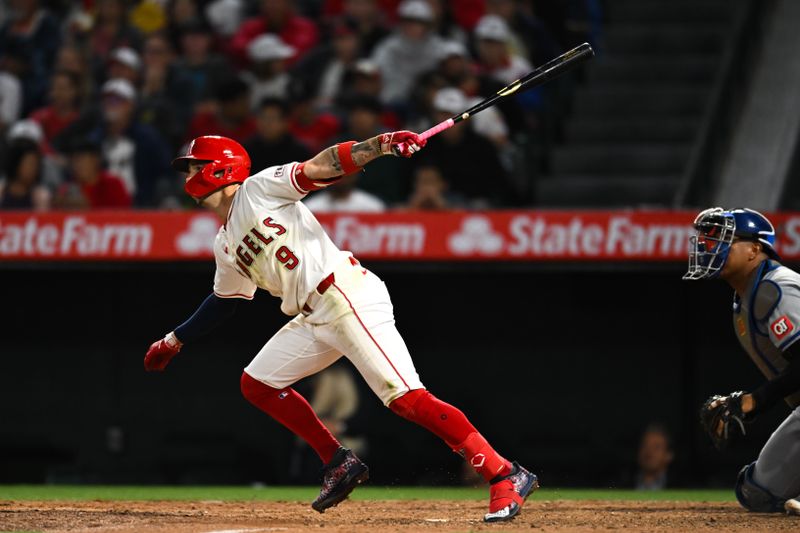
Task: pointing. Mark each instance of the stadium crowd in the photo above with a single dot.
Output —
(97, 96)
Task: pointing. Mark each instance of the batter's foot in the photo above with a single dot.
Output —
(508, 493)
(792, 507)
(339, 478)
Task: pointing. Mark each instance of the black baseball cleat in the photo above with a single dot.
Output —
(508, 493)
(339, 478)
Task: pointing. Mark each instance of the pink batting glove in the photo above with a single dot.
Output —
(401, 143)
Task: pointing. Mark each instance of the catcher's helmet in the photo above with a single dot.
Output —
(716, 228)
(226, 162)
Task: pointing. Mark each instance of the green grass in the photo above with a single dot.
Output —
(238, 493)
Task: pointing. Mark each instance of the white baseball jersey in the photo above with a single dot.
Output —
(272, 241)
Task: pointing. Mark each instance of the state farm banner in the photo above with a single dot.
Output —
(597, 236)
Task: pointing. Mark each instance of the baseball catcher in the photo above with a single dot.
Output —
(738, 246)
(270, 240)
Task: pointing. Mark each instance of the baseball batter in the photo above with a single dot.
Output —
(270, 240)
(738, 246)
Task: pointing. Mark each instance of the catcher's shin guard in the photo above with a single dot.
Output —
(753, 497)
(508, 493)
(340, 476)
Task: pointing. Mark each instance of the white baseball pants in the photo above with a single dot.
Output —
(354, 318)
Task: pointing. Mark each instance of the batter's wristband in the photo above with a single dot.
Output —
(346, 157)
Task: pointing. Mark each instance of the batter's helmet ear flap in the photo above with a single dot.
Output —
(226, 163)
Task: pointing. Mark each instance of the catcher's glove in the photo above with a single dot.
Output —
(722, 418)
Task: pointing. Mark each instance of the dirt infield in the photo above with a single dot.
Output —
(380, 516)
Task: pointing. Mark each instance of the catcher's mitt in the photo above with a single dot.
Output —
(722, 418)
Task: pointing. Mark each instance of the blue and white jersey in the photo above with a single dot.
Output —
(767, 319)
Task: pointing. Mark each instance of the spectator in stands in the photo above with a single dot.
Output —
(363, 79)
(327, 66)
(225, 16)
(369, 22)
(21, 187)
(198, 63)
(133, 151)
(267, 75)
(90, 185)
(10, 89)
(344, 197)
(430, 191)
(28, 132)
(278, 17)
(64, 104)
(72, 59)
(386, 177)
(182, 12)
(444, 24)
(124, 63)
(111, 30)
(273, 144)
(654, 458)
(163, 103)
(148, 16)
(231, 116)
(312, 127)
(411, 50)
(498, 63)
(529, 37)
(466, 175)
(496, 58)
(32, 34)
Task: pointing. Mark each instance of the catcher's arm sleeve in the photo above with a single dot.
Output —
(784, 384)
(209, 315)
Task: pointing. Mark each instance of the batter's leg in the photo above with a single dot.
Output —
(511, 484)
(291, 354)
(369, 338)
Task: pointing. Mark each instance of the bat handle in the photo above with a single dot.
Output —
(437, 128)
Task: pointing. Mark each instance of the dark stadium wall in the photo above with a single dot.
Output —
(560, 368)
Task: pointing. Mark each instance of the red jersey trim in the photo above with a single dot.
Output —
(301, 182)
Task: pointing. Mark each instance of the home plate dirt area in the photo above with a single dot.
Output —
(387, 516)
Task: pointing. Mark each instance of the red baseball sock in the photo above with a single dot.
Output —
(293, 411)
(452, 426)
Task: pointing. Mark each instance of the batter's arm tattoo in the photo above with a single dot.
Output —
(327, 163)
(366, 151)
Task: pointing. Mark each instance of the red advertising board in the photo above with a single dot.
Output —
(597, 236)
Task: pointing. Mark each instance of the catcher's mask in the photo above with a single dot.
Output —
(716, 229)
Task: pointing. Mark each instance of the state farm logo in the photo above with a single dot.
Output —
(73, 236)
(199, 237)
(362, 236)
(476, 235)
(781, 327)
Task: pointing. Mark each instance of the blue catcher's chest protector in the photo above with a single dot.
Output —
(766, 319)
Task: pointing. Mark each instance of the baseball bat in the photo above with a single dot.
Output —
(535, 78)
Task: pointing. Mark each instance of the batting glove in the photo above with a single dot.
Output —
(401, 143)
(161, 352)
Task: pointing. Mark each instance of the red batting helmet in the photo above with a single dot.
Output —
(226, 163)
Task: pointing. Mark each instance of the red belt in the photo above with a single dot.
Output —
(323, 286)
(326, 283)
